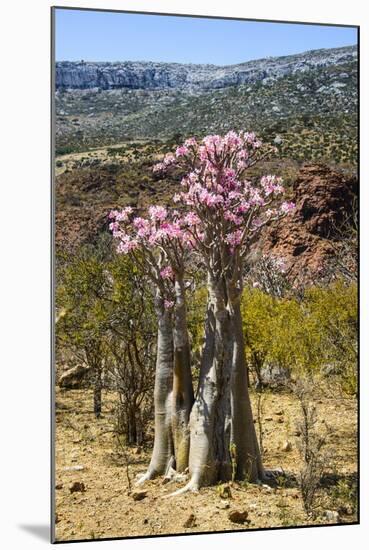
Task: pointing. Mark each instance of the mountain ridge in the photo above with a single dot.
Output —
(150, 75)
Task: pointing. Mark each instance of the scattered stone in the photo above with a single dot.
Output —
(279, 413)
(280, 420)
(238, 517)
(61, 406)
(58, 486)
(76, 468)
(287, 446)
(57, 519)
(348, 510)
(137, 450)
(77, 487)
(224, 505)
(268, 419)
(332, 515)
(145, 521)
(297, 433)
(139, 495)
(190, 521)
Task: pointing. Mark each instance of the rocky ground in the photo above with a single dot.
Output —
(96, 497)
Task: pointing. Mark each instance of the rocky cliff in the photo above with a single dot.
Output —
(197, 78)
(324, 198)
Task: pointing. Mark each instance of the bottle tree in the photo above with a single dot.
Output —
(222, 213)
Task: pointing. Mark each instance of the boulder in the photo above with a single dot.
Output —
(237, 516)
(73, 377)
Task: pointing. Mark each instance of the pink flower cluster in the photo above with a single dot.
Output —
(216, 194)
(272, 184)
(158, 213)
(159, 228)
(167, 272)
(121, 215)
(287, 207)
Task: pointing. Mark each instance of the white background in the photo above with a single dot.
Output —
(24, 271)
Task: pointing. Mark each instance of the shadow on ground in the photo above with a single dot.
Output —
(40, 531)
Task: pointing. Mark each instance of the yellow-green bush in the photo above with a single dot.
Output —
(316, 334)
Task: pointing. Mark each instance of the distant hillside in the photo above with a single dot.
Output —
(307, 103)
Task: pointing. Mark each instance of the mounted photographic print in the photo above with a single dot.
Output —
(205, 240)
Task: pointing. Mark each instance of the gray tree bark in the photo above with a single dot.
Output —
(210, 417)
(182, 397)
(163, 451)
(223, 440)
(248, 463)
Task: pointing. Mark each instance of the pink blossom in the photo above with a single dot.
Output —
(181, 151)
(158, 213)
(112, 214)
(169, 159)
(256, 199)
(230, 216)
(191, 219)
(211, 142)
(232, 140)
(190, 142)
(168, 304)
(114, 226)
(271, 184)
(171, 230)
(210, 199)
(234, 238)
(243, 207)
(234, 195)
(140, 222)
(257, 222)
(143, 227)
(167, 273)
(159, 167)
(256, 284)
(287, 206)
(123, 215)
(126, 244)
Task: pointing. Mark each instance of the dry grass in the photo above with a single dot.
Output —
(106, 509)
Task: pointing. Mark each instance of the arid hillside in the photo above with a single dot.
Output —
(90, 185)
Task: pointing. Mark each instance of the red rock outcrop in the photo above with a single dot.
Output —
(303, 238)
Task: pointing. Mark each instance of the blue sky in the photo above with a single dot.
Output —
(107, 36)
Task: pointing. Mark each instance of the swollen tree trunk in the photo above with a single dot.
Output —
(210, 459)
(247, 458)
(163, 451)
(182, 397)
(223, 440)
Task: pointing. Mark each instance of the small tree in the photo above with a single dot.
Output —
(159, 246)
(131, 343)
(82, 314)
